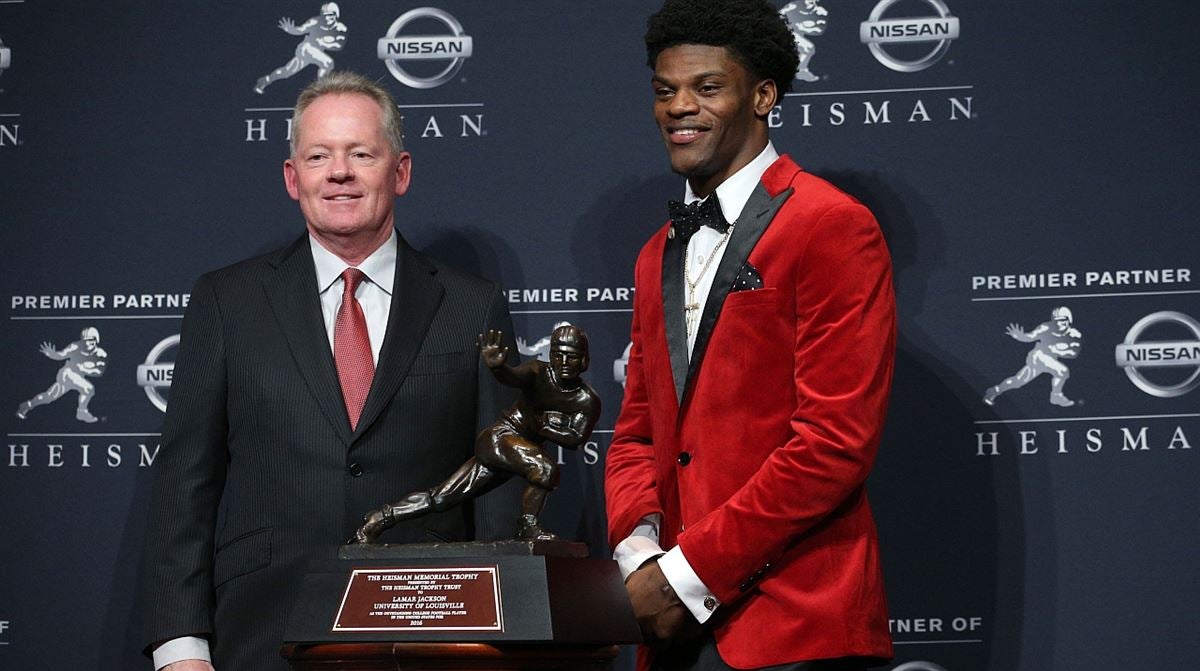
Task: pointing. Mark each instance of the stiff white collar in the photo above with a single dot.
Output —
(734, 192)
(379, 267)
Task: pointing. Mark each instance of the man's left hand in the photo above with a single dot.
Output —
(659, 612)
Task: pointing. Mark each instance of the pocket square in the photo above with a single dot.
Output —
(748, 279)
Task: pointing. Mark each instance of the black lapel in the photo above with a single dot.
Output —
(673, 316)
(756, 216)
(416, 295)
(292, 293)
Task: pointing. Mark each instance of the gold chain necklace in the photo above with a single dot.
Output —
(692, 309)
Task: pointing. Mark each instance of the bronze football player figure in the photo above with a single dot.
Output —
(555, 404)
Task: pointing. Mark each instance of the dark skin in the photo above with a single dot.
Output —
(659, 612)
(712, 113)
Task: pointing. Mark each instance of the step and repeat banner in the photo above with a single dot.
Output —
(1032, 165)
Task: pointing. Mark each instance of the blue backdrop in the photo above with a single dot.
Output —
(1030, 156)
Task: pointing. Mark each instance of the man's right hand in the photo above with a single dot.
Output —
(659, 612)
(189, 665)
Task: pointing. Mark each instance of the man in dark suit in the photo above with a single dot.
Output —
(763, 343)
(312, 384)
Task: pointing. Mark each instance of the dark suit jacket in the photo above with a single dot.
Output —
(259, 472)
(756, 451)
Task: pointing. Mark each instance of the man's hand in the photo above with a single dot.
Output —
(491, 349)
(189, 665)
(659, 612)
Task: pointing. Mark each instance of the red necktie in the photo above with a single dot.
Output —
(352, 347)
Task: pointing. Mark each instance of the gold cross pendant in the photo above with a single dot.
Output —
(692, 313)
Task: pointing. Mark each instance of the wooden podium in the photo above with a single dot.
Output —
(504, 605)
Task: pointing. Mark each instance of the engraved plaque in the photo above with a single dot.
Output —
(421, 598)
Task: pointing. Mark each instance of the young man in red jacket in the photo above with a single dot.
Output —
(763, 344)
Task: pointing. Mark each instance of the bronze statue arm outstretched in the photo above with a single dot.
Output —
(495, 357)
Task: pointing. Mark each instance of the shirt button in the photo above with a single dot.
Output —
(684, 458)
(710, 603)
(356, 469)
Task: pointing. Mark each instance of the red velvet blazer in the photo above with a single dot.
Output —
(779, 412)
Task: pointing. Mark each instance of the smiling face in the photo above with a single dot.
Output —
(711, 111)
(345, 174)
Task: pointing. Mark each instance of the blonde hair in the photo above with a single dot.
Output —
(346, 82)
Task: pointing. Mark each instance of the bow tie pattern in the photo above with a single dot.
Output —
(687, 219)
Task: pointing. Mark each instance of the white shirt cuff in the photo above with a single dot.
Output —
(179, 649)
(687, 585)
(633, 552)
(641, 545)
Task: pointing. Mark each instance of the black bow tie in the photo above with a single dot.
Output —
(687, 219)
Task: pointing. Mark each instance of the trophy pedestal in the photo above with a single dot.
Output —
(503, 605)
(429, 656)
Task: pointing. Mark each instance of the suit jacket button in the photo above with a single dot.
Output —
(684, 459)
(356, 469)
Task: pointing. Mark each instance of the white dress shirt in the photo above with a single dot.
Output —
(642, 544)
(375, 296)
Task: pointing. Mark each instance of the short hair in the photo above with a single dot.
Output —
(753, 31)
(347, 83)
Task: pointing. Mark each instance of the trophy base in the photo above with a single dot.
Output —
(469, 549)
(441, 656)
(522, 592)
